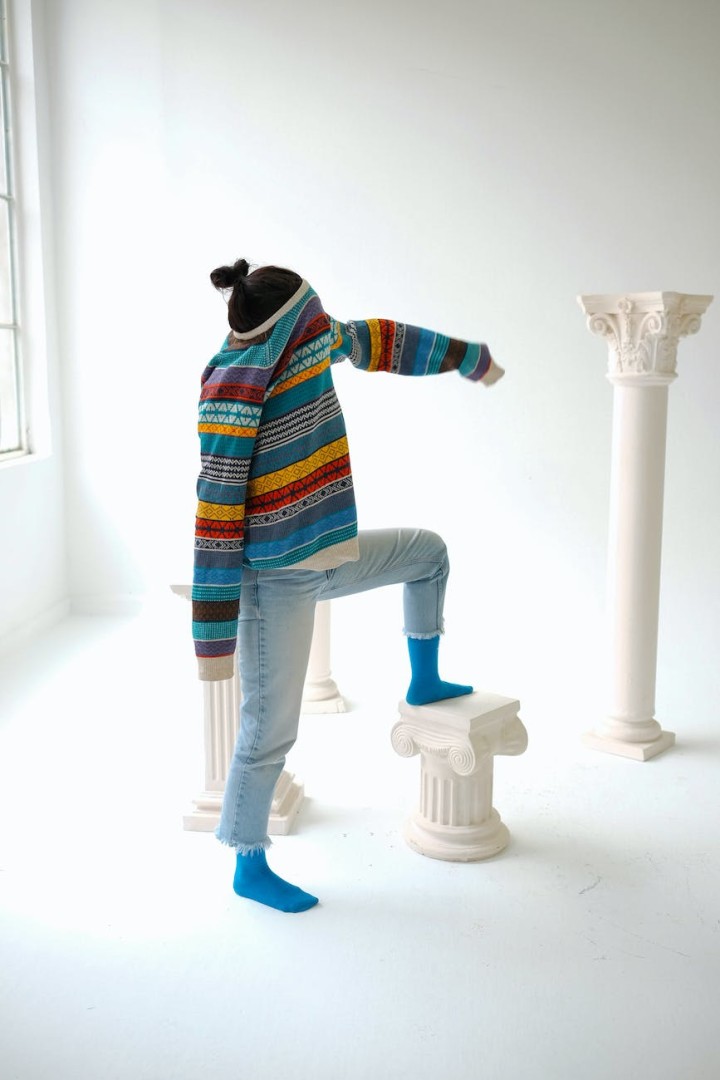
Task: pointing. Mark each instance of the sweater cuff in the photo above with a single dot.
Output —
(476, 362)
(493, 373)
(214, 668)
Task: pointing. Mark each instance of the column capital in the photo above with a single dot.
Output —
(642, 331)
(462, 730)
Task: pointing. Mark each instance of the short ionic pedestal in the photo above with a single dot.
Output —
(221, 702)
(642, 331)
(220, 724)
(457, 739)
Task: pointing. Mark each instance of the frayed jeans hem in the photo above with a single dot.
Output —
(246, 849)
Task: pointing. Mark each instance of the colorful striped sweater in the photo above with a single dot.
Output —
(275, 489)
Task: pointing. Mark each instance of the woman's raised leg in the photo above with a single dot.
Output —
(417, 559)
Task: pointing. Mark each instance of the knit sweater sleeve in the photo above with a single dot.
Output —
(383, 345)
(229, 416)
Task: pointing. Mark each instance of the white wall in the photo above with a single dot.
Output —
(465, 166)
(33, 556)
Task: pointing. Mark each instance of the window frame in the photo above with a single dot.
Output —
(38, 387)
(8, 196)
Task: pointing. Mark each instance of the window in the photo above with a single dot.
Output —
(11, 424)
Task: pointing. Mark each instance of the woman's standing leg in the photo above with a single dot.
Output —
(274, 636)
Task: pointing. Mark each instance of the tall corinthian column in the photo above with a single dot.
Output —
(642, 331)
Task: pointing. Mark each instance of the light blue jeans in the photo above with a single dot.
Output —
(277, 612)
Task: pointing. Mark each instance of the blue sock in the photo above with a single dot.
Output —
(425, 683)
(255, 880)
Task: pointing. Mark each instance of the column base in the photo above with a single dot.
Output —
(323, 698)
(286, 804)
(636, 751)
(457, 843)
(206, 814)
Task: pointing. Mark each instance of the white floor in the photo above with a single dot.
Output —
(590, 949)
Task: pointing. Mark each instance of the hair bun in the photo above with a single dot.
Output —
(227, 277)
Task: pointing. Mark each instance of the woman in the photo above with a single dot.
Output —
(277, 528)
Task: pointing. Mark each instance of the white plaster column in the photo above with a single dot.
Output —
(320, 694)
(220, 726)
(642, 331)
(457, 740)
(221, 701)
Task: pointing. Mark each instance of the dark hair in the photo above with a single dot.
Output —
(256, 296)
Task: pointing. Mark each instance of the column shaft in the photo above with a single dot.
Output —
(635, 546)
(320, 693)
(449, 799)
(220, 708)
